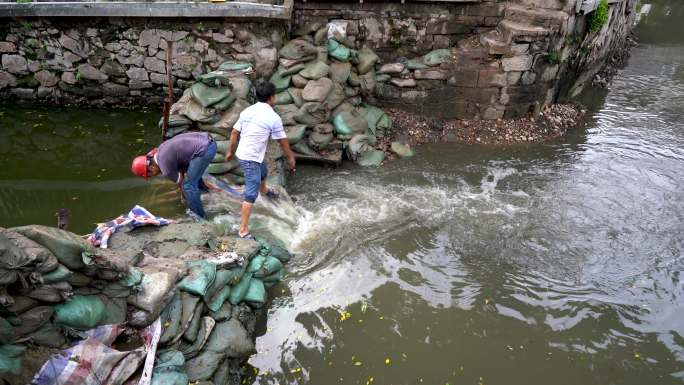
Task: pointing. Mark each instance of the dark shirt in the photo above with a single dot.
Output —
(175, 154)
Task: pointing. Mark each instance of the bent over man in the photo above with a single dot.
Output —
(252, 130)
(183, 159)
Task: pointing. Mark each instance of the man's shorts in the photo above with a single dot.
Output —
(255, 173)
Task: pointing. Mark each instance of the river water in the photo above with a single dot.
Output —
(524, 264)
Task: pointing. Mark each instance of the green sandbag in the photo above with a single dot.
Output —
(201, 275)
(337, 50)
(349, 123)
(279, 251)
(81, 312)
(61, 273)
(205, 328)
(384, 125)
(219, 158)
(320, 141)
(255, 264)
(6, 331)
(297, 49)
(275, 277)
(437, 57)
(169, 369)
(367, 60)
(236, 274)
(335, 97)
(222, 146)
(215, 79)
(312, 113)
(287, 113)
(269, 266)
(256, 294)
(280, 81)
(218, 168)
(315, 70)
(219, 298)
(223, 278)
(291, 70)
(296, 96)
(49, 335)
(218, 137)
(382, 78)
(368, 82)
(231, 338)
(416, 64)
(372, 115)
(320, 36)
(117, 311)
(224, 104)
(79, 279)
(283, 98)
(371, 158)
(203, 366)
(340, 71)
(222, 166)
(10, 359)
(358, 145)
(237, 293)
(66, 246)
(268, 285)
(223, 313)
(171, 319)
(208, 96)
(234, 66)
(192, 330)
(354, 80)
(304, 149)
(295, 133)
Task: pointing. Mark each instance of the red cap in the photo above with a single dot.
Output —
(139, 165)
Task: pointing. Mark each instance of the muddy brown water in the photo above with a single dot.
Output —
(526, 264)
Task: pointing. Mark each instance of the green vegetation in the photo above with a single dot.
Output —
(599, 17)
(553, 58)
(24, 1)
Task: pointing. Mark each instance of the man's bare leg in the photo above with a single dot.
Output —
(244, 218)
(263, 189)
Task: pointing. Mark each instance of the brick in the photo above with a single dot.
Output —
(491, 77)
(517, 63)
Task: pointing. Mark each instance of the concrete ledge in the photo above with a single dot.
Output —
(146, 9)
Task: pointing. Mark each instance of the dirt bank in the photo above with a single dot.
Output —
(554, 121)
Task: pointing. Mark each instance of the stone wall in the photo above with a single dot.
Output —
(508, 58)
(123, 61)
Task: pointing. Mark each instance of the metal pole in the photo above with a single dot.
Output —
(169, 84)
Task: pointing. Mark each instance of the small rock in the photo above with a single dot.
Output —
(402, 150)
(137, 74)
(429, 74)
(15, 64)
(7, 80)
(392, 68)
(7, 47)
(221, 38)
(46, 78)
(69, 78)
(155, 65)
(87, 71)
(410, 82)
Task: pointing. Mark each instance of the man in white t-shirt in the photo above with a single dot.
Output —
(255, 125)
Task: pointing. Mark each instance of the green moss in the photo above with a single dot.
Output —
(27, 81)
(599, 17)
(553, 58)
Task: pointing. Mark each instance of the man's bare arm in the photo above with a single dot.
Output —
(285, 145)
(234, 138)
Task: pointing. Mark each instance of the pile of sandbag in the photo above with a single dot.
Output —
(213, 104)
(201, 284)
(321, 81)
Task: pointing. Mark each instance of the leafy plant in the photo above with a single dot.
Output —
(24, 1)
(553, 58)
(599, 17)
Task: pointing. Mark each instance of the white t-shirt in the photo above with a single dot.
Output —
(255, 124)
